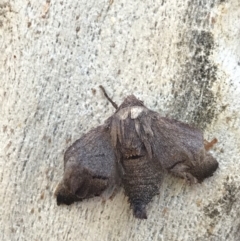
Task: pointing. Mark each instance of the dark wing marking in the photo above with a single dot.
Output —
(90, 168)
(177, 146)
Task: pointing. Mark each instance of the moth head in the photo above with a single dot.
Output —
(130, 101)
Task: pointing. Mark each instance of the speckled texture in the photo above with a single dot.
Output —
(182, 58)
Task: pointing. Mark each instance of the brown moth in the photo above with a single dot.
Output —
(134, 147)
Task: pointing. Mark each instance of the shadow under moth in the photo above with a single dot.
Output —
(133, 148)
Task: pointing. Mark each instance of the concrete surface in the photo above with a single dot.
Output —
(182, 58)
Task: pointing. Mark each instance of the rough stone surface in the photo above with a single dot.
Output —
(182, 58)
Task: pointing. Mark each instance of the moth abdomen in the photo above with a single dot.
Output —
(141, 183)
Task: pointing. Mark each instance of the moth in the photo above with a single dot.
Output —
(133, 148)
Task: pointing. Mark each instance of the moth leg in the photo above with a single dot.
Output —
(181, 170)
(197, 173)
(109, 193)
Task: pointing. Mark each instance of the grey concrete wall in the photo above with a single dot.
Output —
(182, 58)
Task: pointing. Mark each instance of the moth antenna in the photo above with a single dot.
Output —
(105, 94)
